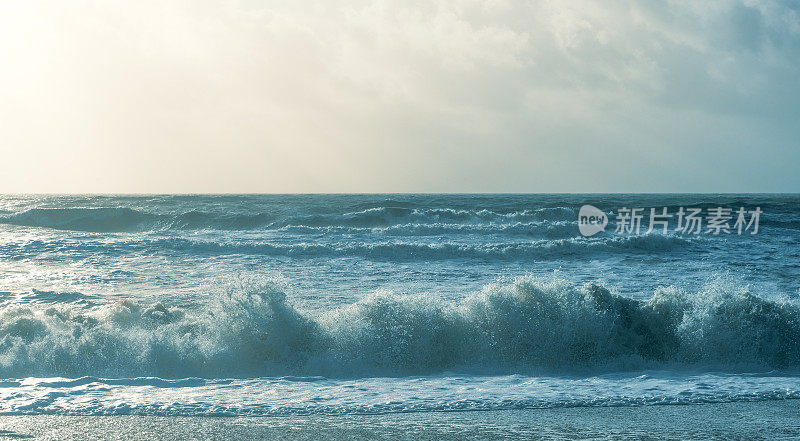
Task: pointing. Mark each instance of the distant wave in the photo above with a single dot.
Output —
(535, 229)
(83, 219)
(123, 219)
(436, 251)
(388, 216)
(528, 326)
(575, 247)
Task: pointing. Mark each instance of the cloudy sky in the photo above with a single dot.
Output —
(399, 96)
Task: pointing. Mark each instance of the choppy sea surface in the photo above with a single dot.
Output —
(354, 304)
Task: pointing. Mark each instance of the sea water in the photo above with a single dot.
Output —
(353, 304)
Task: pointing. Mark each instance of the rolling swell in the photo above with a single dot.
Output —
(102, 220)
(531, 325)
(125, 219)
(378, 250)
(393, 250)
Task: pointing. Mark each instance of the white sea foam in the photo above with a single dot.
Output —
(315, 395)
(531, 325)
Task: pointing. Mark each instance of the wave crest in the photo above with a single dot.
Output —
(529, 325)
(103, 220)
(125, 219)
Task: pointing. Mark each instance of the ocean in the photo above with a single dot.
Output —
(352, 305)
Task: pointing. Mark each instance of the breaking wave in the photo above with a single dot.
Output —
(531, 325)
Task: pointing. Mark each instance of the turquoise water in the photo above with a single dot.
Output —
(359, 304)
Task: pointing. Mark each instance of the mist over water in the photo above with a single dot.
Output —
(428, 301)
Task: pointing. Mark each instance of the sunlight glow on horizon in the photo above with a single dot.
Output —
(459, 96)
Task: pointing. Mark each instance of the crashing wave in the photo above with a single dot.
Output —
(531, 325)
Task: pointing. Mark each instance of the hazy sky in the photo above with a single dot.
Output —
(383, 96)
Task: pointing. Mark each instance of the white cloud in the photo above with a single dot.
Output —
(399, 96)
